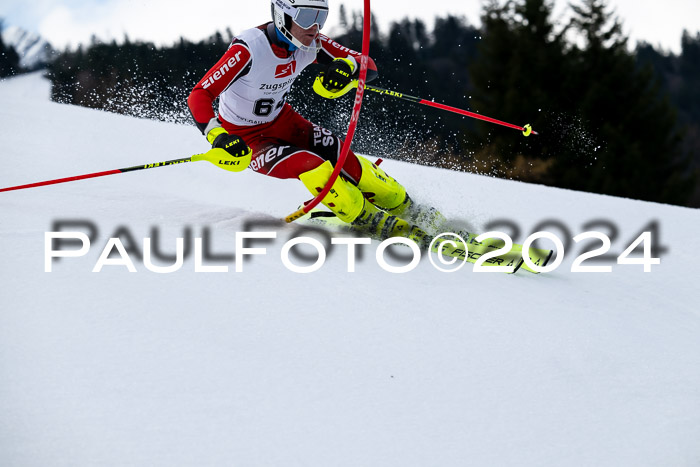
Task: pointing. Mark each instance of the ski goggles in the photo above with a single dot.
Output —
(307, 17)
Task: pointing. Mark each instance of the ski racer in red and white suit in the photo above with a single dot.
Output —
(255, 123)
(252, 80)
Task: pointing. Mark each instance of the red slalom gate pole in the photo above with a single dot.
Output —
(527, 129)
(364, 61)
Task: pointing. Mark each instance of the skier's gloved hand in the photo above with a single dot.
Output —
(239, 151)
(338, 79)
(339, 74)
(232, 144)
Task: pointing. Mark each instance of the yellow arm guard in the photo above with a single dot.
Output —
(232, 154)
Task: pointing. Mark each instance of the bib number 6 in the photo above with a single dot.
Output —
(264, 107)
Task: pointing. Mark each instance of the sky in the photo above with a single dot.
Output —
(70, 22)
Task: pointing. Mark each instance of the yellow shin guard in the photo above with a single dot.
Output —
(344, 199)
(348, 203)
(381, 189)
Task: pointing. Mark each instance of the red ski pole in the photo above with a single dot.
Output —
(527, 129)
(216, 156)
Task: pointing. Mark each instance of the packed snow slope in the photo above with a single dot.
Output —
(267, 367)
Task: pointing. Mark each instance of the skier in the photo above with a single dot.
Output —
(257, 125)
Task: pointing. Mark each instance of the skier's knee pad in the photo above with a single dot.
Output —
(381, 189)
(344, 199)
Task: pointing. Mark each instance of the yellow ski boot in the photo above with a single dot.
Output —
(347, 202)
(385, 225)
(385, 192)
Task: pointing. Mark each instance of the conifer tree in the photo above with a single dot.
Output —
(640, 155)
(520, 76)
(9, 58)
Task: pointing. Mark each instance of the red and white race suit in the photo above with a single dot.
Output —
(253, 79)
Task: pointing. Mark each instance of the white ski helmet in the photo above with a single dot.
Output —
(305, 13)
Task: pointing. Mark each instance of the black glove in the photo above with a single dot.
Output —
(233, 144)
(339, 74)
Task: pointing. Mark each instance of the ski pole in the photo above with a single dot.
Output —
(527, 129)
(216, 156)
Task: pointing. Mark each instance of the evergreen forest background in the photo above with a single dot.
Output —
(611, 120)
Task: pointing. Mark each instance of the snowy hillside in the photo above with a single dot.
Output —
(267, 367)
